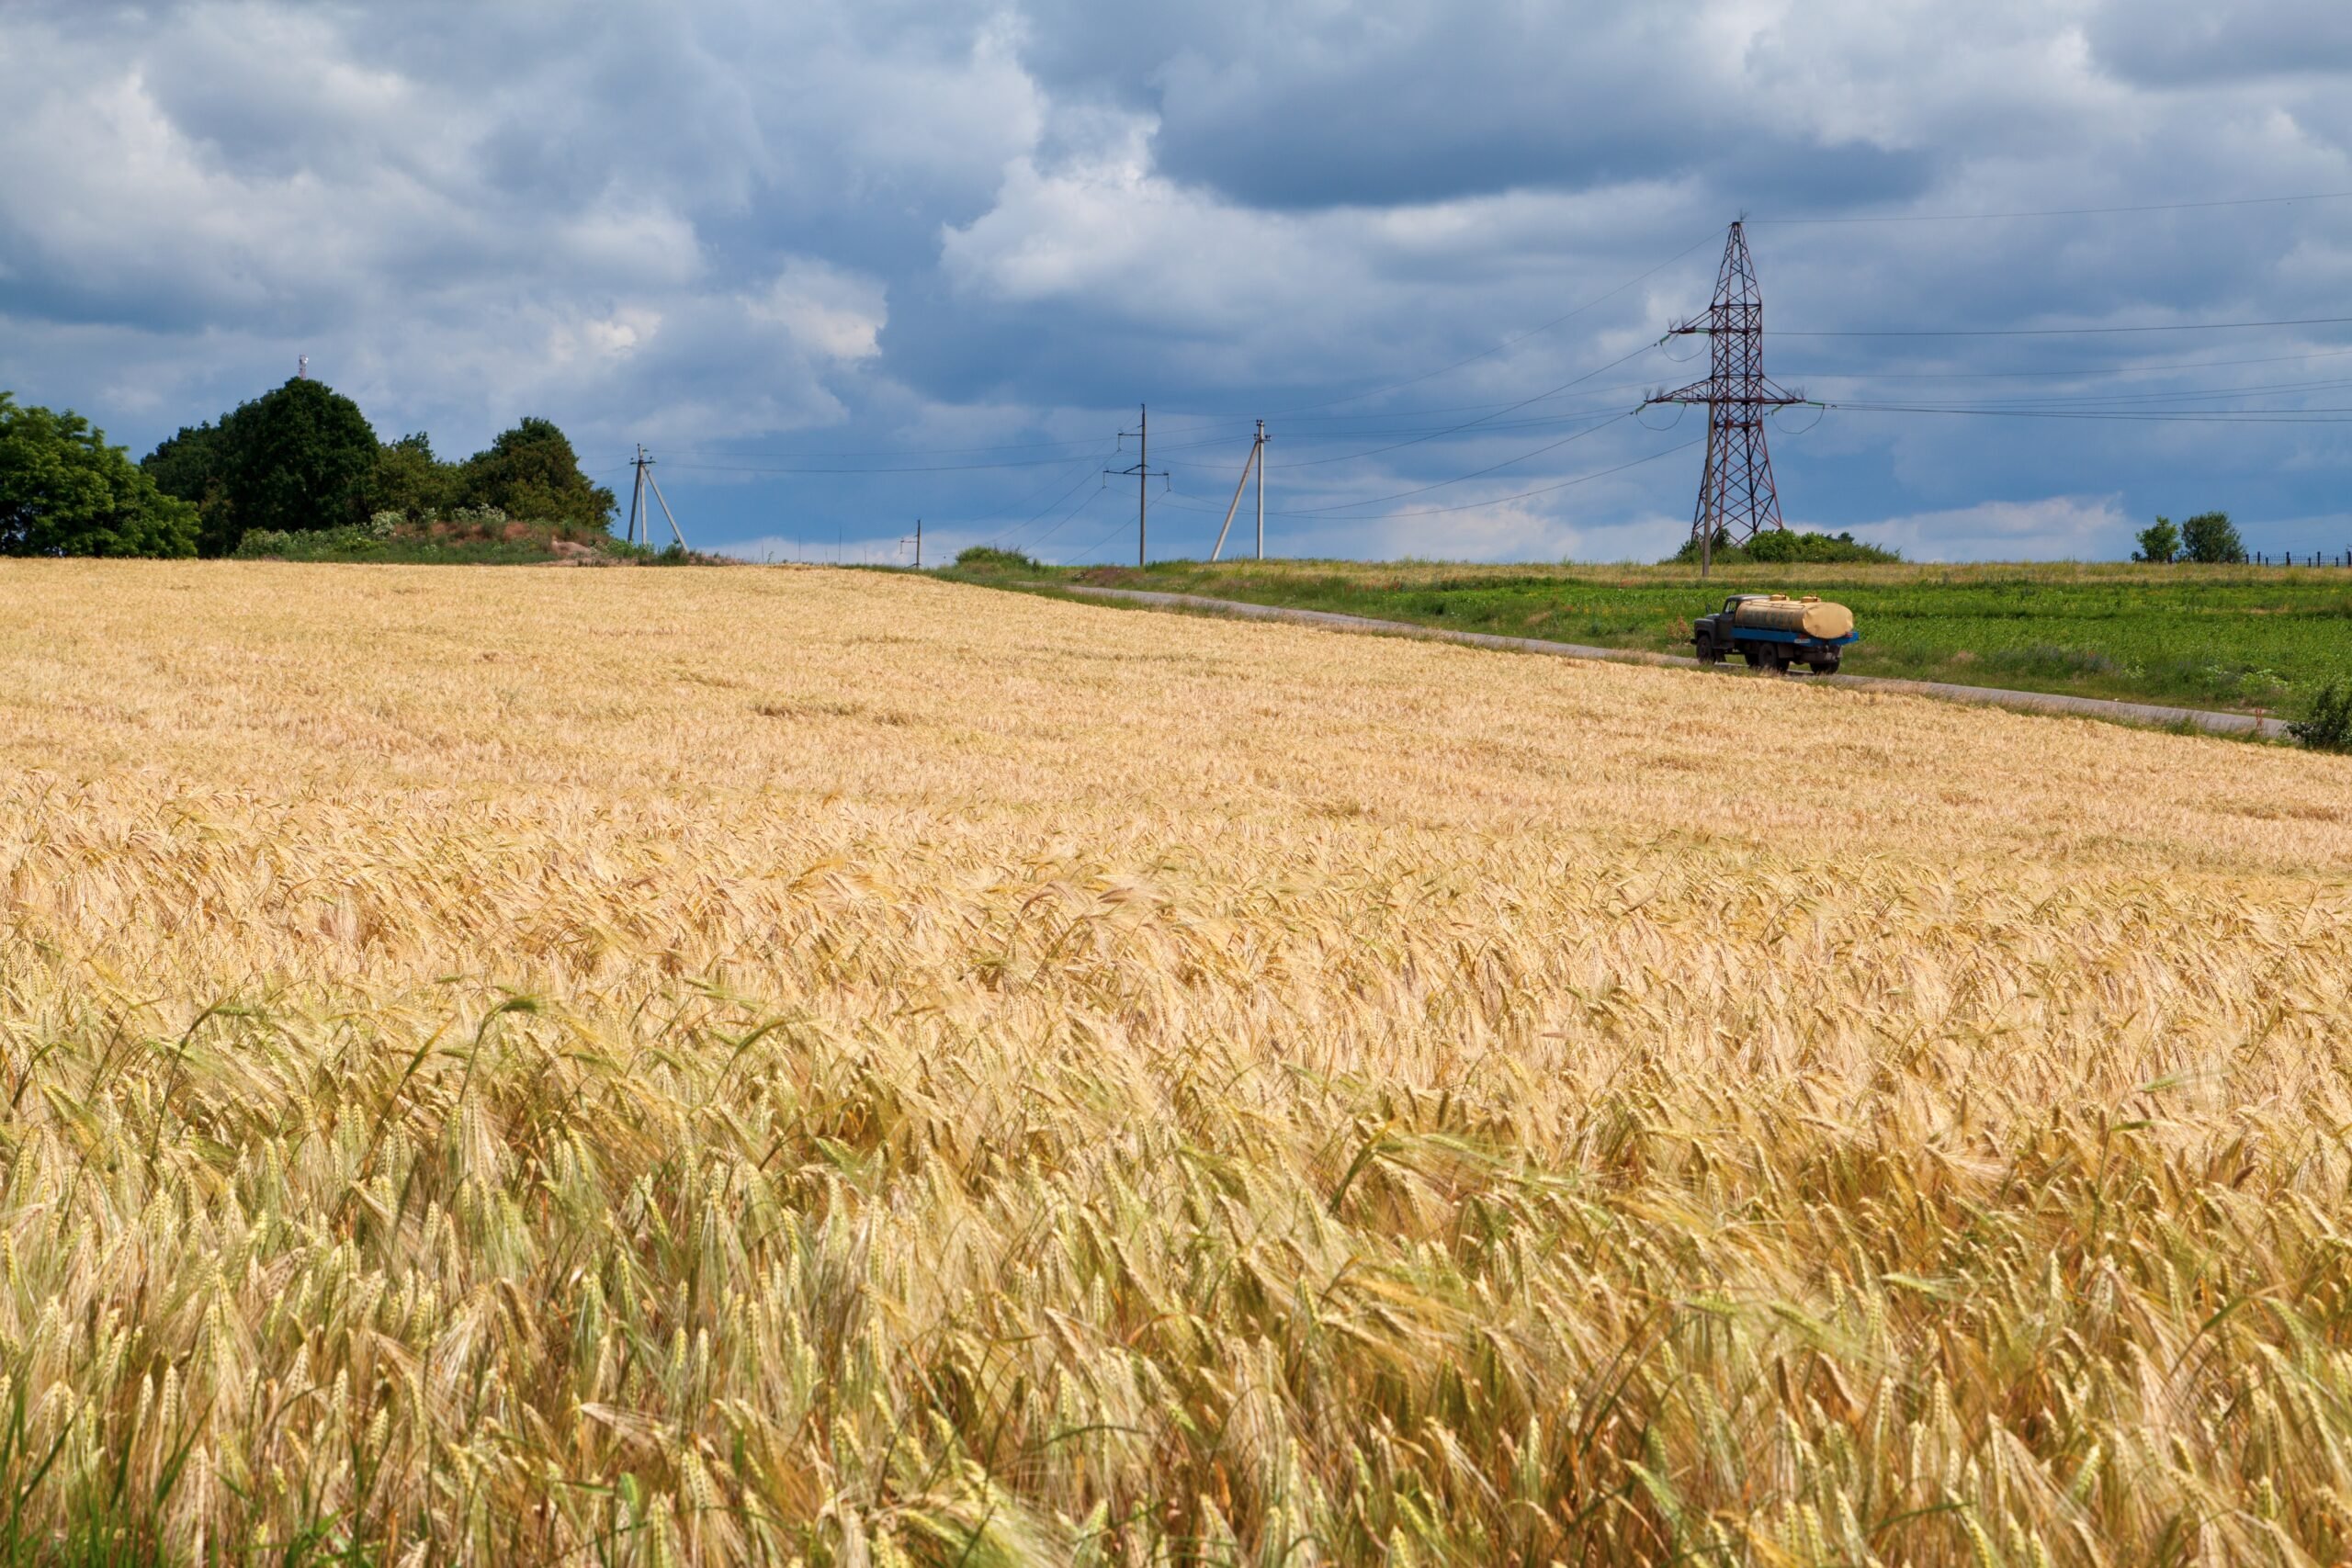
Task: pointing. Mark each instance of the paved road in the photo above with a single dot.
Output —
(2028, 702)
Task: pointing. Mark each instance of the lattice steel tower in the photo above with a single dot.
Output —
(1736, 500)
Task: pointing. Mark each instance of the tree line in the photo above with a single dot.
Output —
(2210, 539)
(298, 457)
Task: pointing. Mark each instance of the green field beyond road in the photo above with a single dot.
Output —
(2242, 638)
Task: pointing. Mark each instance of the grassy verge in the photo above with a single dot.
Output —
(2248, 638)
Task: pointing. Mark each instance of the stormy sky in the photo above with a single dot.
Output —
(844, 263)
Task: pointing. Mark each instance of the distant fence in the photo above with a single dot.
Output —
(2313, 557)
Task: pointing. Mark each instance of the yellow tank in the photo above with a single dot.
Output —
(1808, 616)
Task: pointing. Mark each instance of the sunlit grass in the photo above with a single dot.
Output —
(738, 1064)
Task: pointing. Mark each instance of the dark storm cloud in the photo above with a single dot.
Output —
(751, 233)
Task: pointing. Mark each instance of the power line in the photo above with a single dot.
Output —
(1472, 424)
(1507, 342)
(2056, 211)
(1038, 543)
(2080, 372)
(2178, 395)
(926, 468)
(1051, 505)
(1084, 474)
(1546, 490)
(2069, 332)
(2217, 416)
(1458, 478)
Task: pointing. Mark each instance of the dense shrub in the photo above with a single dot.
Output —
(2327, 726)
(988, 557)
(1793, 547)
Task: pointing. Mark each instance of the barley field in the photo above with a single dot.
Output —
(767, 1066)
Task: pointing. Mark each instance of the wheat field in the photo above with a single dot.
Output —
(708, 1066)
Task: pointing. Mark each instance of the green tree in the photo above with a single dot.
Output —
(192, 466)
(300, 457)
(2160, 542)
(531, 471)
(63, 492)
(2212, 540)
(411, 480)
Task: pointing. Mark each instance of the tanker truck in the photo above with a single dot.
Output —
(1773, 631)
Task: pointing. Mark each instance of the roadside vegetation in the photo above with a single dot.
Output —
(470, 535)
(2231, 638)
(836, 1068)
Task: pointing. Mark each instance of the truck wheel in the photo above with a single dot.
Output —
(1825, 666)
(1757, 658)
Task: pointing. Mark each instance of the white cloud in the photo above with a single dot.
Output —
(2058, 527)
(826, 310)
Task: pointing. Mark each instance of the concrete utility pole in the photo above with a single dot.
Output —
(637, 507)
(1256, 461)
(1143, 473)
(1260, 455)
(917, 542)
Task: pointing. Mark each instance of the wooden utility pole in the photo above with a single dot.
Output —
(1143, 473)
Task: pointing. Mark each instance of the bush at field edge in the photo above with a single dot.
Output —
(1796, 547)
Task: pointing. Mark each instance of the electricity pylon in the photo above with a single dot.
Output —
(1737, 497)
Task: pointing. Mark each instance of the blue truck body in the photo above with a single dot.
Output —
(1765, 633)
